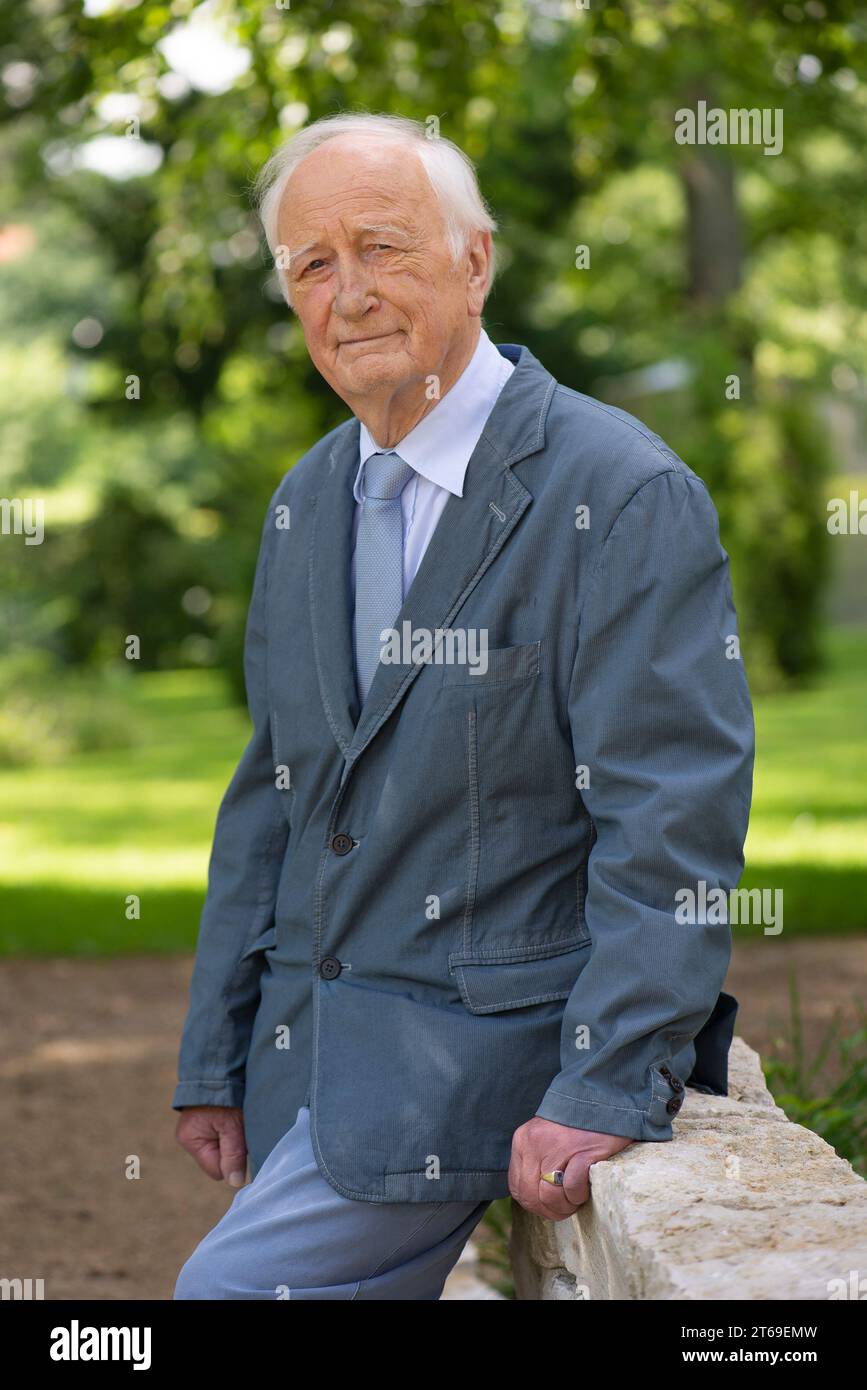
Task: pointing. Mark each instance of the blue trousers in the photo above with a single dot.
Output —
(289, 1235)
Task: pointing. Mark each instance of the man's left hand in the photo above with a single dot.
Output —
(540, 1146)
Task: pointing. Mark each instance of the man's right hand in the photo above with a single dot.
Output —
(214, 1135)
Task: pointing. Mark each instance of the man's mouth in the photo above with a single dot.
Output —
(376, 338)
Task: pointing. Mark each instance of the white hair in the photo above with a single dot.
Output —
(450, 172)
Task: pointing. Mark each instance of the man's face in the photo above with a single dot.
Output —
(369, 270)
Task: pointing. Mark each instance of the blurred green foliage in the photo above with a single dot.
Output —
(799, 1085)
(718, 259)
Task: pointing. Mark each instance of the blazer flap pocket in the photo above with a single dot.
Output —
(514, 979)
(495, 665)
(263, 942)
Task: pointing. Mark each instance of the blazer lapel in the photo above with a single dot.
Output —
(470, 534)
(331, 603)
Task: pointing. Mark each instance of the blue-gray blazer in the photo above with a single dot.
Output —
(453, 909)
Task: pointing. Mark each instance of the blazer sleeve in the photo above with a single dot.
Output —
(249, 846)
(660, 715)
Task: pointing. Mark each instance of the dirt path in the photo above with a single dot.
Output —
(87, 1070)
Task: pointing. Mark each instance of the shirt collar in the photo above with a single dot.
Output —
(439, 447)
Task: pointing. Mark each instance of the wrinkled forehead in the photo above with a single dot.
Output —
(356, 182)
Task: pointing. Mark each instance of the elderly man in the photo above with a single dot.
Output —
(499, 723)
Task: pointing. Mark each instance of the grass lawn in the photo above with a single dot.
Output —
(78, 837)
(808, 828)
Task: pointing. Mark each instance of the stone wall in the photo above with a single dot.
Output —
(741, 1204)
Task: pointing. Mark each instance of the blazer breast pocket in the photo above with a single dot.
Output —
(496, 666)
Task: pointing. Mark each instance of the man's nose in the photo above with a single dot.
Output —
(355, 292)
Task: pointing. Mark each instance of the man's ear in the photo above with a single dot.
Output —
(479, 254)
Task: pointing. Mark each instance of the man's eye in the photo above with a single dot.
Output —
(314, 265)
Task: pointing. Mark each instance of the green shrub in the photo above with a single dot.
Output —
(838, 1115)
(48, 712)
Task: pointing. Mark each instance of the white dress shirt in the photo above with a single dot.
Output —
(438, 450)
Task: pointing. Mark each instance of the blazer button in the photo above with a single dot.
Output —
(673, 1105)
(330, 968)
(341, 844)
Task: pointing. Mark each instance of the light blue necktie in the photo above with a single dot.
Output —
(378, 560)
